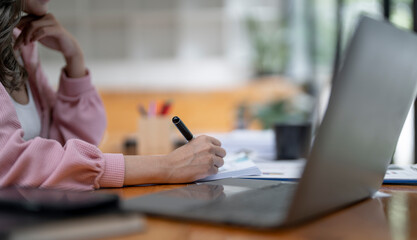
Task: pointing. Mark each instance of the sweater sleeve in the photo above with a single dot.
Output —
(45, 163)
(77, 111)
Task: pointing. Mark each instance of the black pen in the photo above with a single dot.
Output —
(182, 128)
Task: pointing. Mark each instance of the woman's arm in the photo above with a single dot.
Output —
(79, 165)
(77, 110)
(197, 159)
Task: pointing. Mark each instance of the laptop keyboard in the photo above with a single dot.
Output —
(268, 204)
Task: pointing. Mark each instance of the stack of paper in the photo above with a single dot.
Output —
(235, 165)
(260, 144)
(284, 170)
(401, 174)
(291, 170)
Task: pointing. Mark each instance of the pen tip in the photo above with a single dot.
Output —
(175, 119)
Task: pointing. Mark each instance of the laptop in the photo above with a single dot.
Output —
(370, 99)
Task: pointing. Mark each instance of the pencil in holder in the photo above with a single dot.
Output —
(154, 136)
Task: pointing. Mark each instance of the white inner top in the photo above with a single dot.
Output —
(28, 116)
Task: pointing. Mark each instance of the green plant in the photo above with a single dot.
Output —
(269, 45)
(291, 111)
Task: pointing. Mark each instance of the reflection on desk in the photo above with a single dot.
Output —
(384, 218)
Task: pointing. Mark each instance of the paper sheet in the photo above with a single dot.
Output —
(293, 169)
(280, 170)
(258, 143)
(401, 174)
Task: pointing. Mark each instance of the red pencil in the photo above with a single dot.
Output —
(165, 108)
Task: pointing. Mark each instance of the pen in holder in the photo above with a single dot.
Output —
(154, 135)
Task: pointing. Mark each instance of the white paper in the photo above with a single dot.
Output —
(293, 169)
(282, 169)
(401, 173)
(259, 143)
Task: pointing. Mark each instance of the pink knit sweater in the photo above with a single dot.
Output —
(65, 155)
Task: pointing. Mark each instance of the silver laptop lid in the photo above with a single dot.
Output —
(370, 99)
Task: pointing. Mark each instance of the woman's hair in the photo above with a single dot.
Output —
(12, 74)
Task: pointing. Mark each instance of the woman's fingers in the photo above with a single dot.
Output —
(27, 34)
(198, 159)
(44, 28)
(215, 141)
(217, 150)
(220, 152)
(210, 144)
(35, 25)
(43, 32)
(218, 161)
(31, 25)
(25, 20)
(213, 170)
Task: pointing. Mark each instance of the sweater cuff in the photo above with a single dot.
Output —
(74, 86)
(114, 171)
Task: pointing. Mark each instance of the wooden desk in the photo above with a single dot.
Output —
(392, 217)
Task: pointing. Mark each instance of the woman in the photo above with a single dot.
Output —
(48, 139)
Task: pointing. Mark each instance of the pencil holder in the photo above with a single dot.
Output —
(154, 136)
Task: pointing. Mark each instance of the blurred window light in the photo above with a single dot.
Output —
(186, 45)
(195, 43)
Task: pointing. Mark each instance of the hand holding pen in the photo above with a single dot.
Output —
(205, 153)
(200, 157)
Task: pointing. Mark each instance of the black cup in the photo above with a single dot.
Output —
(292, 141)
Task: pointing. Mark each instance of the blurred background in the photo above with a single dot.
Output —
(224, 64)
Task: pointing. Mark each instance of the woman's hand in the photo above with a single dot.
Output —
(49, 32)
(199, 158)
